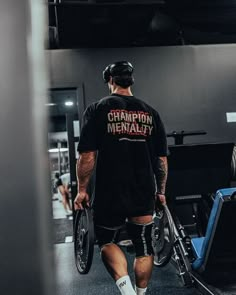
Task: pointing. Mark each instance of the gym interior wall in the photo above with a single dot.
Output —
(192, 87)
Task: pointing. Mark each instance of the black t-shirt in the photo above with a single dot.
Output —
(129, 137)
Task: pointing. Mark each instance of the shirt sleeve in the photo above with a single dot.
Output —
(88, 136)
(161, 147)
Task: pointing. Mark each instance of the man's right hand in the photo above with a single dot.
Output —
(161, 198)
(160, 201)
(81, 200)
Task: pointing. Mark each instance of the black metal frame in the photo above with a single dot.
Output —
(72, 153)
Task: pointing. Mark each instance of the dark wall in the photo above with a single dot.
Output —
(192, 87)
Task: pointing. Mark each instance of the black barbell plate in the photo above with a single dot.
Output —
(83, 240)
(163, 237)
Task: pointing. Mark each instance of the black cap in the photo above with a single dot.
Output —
(117, 69)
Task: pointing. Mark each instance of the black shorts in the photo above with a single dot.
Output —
(116, 220)
(140, 234)
(108, 224)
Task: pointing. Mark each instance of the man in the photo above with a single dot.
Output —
(62, 183)
(128, 139)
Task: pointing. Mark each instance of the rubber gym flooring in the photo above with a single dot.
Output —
(69, 282)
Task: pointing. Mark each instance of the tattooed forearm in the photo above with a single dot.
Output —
(161, 174)
(85, 165)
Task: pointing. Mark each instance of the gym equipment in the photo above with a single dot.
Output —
(196, 172)
(208, 262)
(218, 245)
(163, 236)
(179, 136)
(179, 140)
(169, 241)
(197, 169)
(83, 240)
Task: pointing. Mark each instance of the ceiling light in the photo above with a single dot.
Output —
(56, 150)
(50, 104)
(69, 103)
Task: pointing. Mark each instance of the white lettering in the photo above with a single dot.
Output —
(150, 129)
(116, 116)
(128, 117)
(122, 116)
(111, 127)
(132, 128)
(110, 117)
(149, 120)
(134, 117)
(118, 127)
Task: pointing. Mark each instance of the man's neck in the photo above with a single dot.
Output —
(123, 91)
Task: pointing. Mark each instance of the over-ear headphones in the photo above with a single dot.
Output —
(117, 69)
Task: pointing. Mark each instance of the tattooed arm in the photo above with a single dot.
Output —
(161, 178)
(85, 165)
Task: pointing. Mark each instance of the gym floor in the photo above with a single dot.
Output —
(164, 280)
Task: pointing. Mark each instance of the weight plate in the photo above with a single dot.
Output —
(83, 240)
(163, 237)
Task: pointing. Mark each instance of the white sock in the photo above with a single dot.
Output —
(140, 291)
(125, 286)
